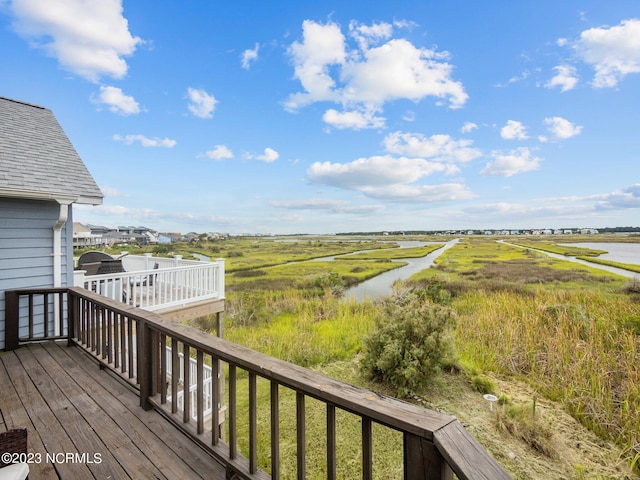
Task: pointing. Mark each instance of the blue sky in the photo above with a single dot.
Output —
(325, 116)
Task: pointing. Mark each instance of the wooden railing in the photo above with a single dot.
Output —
(133, 343)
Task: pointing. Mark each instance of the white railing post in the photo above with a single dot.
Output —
(220, 272)
(147, 260)
(78, 278)
(177, 259)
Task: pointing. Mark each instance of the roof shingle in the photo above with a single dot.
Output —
(37, 160)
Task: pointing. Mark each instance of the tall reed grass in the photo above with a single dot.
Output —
(576, 347)
(304, 329)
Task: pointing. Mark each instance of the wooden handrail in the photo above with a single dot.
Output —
(133, 343)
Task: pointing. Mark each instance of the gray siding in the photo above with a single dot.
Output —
(26, 248)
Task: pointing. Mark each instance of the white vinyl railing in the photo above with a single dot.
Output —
(208, 379)
(155, 283)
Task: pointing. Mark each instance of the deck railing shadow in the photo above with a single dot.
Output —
(133, 344)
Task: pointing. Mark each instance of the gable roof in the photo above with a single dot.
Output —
(37, 160)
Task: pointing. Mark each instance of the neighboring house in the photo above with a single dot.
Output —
(162, 238)
(41, 177)
(83, 237)
(106, 236)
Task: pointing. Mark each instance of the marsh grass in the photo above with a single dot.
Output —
(487, 264)
(302, 329)
(305, 275)
(572, 346)
(522, 422)
(390, 254)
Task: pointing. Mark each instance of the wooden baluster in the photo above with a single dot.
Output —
(175, 374)
(116, 341)
(233, 433)
(163, 368)
(186, 384)
(367, 450)
(275, 432)
(45, 311)
(109, 345)
(331, 442)
(253, 423)
(30, 316)
(215, 401)
(200, 390)
(301, 436)
(72, 320)
(130, 365)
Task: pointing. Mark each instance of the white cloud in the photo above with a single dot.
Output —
(420, 193)
(249, 56)
(145, 141)
(373, 171)
(219, 152)
(514, 130)
(321, 47)
(626, 198)
(111, 192)
(565, 78)
(562, 128)
(440, 148)
(365, 34)
(614, 52)
(148, 215)
(353, 119)
(400, 70)
(330, 205)
(89, 39)
(516, 161)
(409, 116)
(269, 155)
(201, 103)
(468, 127)
(363, 78)
(117, 101)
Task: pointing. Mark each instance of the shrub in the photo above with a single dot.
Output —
(329, 282)
(410, 343)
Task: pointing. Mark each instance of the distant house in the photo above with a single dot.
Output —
(41, 178)
(83, 237)
(172, 236)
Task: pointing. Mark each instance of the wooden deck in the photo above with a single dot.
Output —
(70, 406)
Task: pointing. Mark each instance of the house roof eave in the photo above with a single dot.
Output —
(60, 198)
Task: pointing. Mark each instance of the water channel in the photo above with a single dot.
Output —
(382, 285)
(617, 252)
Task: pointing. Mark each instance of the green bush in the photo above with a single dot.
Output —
(412, 340)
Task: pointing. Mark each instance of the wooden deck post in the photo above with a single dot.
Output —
(145, 364)
(11, 320)
(72, 317)
(423, 461)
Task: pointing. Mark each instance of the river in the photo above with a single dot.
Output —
(382, 285)
(616, 252)
(600, 246)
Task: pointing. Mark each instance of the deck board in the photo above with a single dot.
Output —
(69, 405)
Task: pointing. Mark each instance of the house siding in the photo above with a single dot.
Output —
(26, 249)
